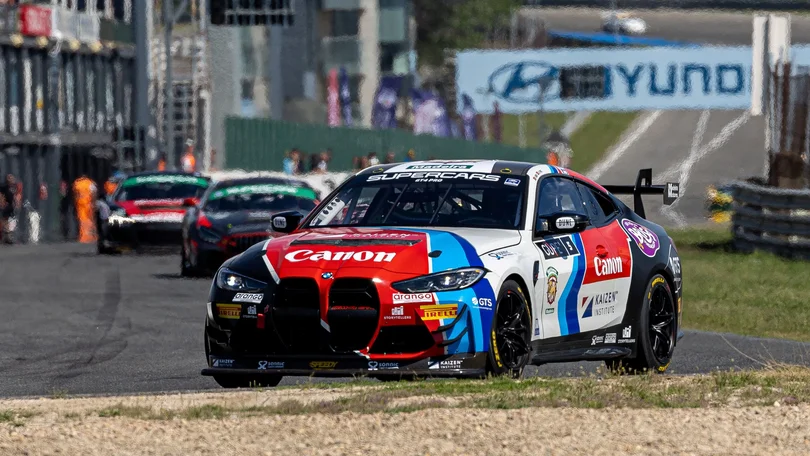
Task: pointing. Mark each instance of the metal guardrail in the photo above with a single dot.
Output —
(777, 5)
(771, 219)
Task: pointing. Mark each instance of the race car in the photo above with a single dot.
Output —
(235, 214)
(146, 210)
(450, 269)
(623, 23)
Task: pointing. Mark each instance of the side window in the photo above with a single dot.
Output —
(558, 194)
(595, 211)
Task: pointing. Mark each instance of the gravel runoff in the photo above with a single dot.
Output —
(70, 426)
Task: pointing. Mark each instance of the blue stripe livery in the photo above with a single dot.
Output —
(567, 308)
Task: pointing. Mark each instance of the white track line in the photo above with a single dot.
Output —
(697, 138)
(596, 172)
(695, 156)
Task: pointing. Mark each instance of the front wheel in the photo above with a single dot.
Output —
(657, 331)
(510, 338)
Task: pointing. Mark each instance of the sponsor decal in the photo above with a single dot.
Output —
(645, 239)
(229, 311)
(512, 182)
(165, 179)
(597, 340)
(221, 362)
(446, 364)
(679, 305)
(485, 303)
(249, 297)
(323, 365)
(439, 167)
(251, 312)
(263, 365)
(658, 280)
(435, 177)
(675, 264)
(561, 247)
(536, 326)
(551, 290)
(627, 332)
(397, 313)
(501, 254)
(608, 266)
(327, 275)
(565, 223)
(280, 223)
(537, 175)
(610, 338)
(371, 235)
(406, 298)
(325, 255)
(601, 304)
(439, 312)
(376, 365)
(549, 310)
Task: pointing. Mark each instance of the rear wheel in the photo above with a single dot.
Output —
(186, 269)
(509, 349)
(657, 331)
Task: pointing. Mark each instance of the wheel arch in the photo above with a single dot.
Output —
(522, 284)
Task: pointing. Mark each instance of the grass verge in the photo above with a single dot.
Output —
(777, 385)
(755, 294)
(511, 127)
(600, 132)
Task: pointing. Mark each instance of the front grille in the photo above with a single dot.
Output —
(297, 315)
(354, 313)
(238, 244)
(403, 339)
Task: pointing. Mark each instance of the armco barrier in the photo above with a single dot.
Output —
(777, 5)
(260, 144)
(771, 219)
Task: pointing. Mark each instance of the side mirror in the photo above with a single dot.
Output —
(287, 222)
(189, 202)
(562, 222)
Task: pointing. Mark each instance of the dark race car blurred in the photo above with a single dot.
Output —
(147, 210)
(236, 214)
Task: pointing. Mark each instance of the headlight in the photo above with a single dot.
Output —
(229, 280)
(119, 217)
(441, 281)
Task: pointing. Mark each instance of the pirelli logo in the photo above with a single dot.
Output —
(229, 311)
(439, 312)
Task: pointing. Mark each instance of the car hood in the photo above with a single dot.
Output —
(401, 250)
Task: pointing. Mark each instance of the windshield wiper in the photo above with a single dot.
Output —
(441, 203)
(385, 219)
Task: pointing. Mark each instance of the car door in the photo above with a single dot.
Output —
(606, 286)
(563, 260)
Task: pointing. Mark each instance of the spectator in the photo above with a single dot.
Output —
(372, 159)
(390, 158)
(8, 203)
(411, 156)
(162, 162)
(364, 162)
(323, 164)
(291, 162)
(314, 160)
(302, 158)
(356, 163)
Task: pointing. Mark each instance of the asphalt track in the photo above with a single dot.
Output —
(708, 27)
(76, 323)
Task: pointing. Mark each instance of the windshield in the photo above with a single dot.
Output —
(457, 199)
(159, 187)
(264, 197)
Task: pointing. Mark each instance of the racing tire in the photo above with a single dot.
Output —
(186, 270)
(657, 332)
(510, 337)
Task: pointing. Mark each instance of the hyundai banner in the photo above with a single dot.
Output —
(384, 111)
(613, 79)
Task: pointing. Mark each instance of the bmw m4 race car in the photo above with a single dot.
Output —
(450, 269)
(235, 214)
(146, 210)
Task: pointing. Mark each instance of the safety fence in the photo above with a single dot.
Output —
(783, 5)
(262, 144)
(771, 219)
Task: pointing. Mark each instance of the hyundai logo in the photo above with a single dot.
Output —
(326, 275)
(525, 82)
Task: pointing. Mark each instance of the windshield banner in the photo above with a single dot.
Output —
(165, 179)
(269, 189)
(435, 177)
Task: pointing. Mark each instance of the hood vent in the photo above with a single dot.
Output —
(356, 242)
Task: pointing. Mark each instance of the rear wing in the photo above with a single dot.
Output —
(643, 186)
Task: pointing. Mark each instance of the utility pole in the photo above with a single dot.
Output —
(140, 21)
(168, 26)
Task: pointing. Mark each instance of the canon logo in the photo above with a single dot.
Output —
(325, 255)
(608, 266)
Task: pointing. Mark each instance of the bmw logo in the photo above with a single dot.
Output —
(326, 275)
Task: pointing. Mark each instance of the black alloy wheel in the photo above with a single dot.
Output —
(658, 331)
(509, 350)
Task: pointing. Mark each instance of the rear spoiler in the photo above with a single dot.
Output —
(671, 190)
